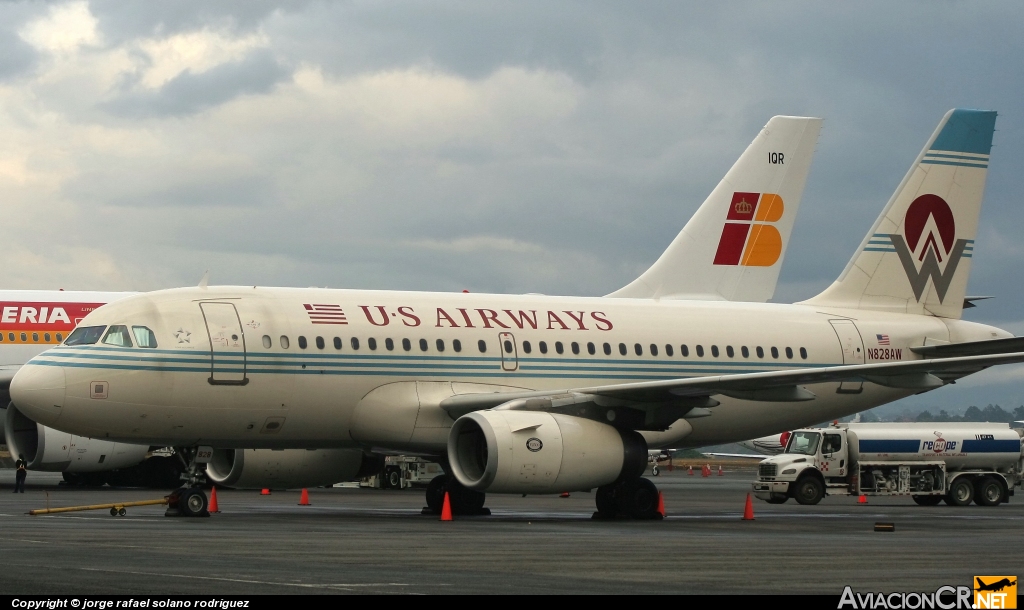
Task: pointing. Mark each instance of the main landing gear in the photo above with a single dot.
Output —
(189, 500)
(635, 498)
(463, 501)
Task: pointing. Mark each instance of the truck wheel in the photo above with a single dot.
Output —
(809, 491)
(394, 478)
(961, 492)
(989, 492)
(927, 500)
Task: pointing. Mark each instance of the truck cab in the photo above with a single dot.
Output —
(814, 460)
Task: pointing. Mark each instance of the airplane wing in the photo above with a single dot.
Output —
(678, 397)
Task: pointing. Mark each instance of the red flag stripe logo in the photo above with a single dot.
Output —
(325, 314)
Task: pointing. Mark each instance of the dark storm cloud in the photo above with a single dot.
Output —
(188, 93)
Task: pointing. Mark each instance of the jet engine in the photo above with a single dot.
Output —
(48, 449)
(533, 452)
(287, 468)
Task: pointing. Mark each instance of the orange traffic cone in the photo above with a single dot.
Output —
(706, 471)
(661, 504)
(304, 499)
(213, 508)
(446, 510)
(720, 473)
(691, 471)
(862, 499)
(564, 495)
(265, 492)
(748, 510)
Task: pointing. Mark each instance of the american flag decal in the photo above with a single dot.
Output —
(882, 339)
(325, 314)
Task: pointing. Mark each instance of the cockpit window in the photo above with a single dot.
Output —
(118, 335)
(83, 335)
(143, 336)
(803, 443)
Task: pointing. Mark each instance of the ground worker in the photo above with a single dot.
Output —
(19, 477)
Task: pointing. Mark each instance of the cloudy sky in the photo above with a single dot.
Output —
(551, 147)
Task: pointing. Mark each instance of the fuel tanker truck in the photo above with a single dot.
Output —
(930, 462)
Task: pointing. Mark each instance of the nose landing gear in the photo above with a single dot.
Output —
(190, 499)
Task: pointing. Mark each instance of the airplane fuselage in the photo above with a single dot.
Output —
(279, 368)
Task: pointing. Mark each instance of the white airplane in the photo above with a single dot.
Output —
(540, 394)
(86, 460)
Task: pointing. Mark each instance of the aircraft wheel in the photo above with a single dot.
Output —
(605, 500)
(435, 493)
(121, 512)
(654, 470)
(809, 491)
(989, 492)
(638, 499)
(113, 511)
(961, 492)
(927, 500)
(465, 501)
(193, 503)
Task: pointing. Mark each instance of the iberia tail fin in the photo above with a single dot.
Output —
(917, 256)
(732, 249)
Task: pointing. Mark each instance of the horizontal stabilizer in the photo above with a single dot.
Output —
(974, 348)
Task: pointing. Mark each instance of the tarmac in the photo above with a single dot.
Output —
(357, 540)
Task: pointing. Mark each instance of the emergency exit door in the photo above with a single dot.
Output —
(853, 352)
(227, 344)
(509, 352)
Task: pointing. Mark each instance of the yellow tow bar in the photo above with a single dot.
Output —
(116, 508)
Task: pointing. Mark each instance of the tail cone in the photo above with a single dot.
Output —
(748, 510)
(446, 510)
(304, 499)
(213, 501)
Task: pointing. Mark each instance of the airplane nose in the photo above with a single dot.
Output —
(38, 391)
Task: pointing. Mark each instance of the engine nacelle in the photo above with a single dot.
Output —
(284, 469)
(48, 449)
(534, 452)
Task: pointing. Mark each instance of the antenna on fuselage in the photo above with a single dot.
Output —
(205, 281)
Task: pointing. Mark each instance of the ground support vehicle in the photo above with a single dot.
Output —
(401, 471)
(957, 463)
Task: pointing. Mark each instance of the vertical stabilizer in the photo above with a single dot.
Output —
(917, 256)
(732, 249)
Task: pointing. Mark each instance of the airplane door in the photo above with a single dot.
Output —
(853, 352)
(509, 352)
(227, 344)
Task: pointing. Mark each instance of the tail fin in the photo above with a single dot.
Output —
(732, 248)
(927, 230)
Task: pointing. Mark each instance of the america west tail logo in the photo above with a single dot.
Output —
(938, 256)
(748, 238)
